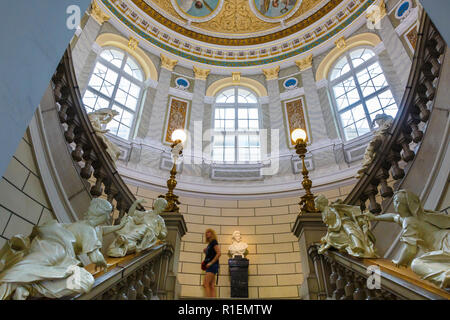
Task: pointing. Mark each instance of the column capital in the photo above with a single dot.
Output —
(376, 12)
(236, 76)
(133, 43)
(305, 63)
(97, 13)
(168, 63)
(201, 74)
(271, 74)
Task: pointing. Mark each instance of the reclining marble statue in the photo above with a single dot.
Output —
(384, 123)
(141, 231)
(348, 229)
(45, 263)
(99, 118)
(425, 238)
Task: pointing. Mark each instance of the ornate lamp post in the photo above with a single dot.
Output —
(307, 200)
(178, 138)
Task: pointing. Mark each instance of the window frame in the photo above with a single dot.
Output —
(352, 73)
(121, 73)
(236, 106)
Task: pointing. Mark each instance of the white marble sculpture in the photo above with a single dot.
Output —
(141, 231)
(237, 247)
(99, 118)
(425, 238)
(45, 263)
(384, 123)
(348, 229)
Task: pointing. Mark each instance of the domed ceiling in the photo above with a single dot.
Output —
(236, 33)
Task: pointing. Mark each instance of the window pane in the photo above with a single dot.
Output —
(229, 141)
(242, 114)
(229, 114)
(373, 105)
(113, 127)
(229, 154)
(107, 89)
(218, 140)
(127, 118)
(135, 90)
(254, 141)
(124, 132)
(362, 127)
(253, 113)
(229, 125)
(244, 154)
(358, 113)
(360, 56)
(120, 111)
(243, 141)
(350, 132)
(218, 154)
(253, 124)
(243, 124)
(131, 103)
(133, 69)
(219, 124)
(255, 154)
(340, 68)
(346, 118)
(113, 56)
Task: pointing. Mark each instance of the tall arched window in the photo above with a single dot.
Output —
(236, 126)
(116, 83)
(360, 92)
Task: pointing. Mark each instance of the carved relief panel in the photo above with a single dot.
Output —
(294, 111)
(177, 117)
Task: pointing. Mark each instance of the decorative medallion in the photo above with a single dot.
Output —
(290, 83)
(403, 9)
(198, 10)
(274, 10)
(182, 83)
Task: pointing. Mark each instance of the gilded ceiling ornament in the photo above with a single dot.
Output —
(236, 76)
(133, 43)
(271, 74)
(340, 43)
(236, 17)
(98, 14)
(201, 74)
(376, 13)
(168, 63)
(305, 63)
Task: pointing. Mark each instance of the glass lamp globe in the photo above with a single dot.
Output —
(298, 134)
(179, 134)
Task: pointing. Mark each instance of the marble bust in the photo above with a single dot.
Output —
(237, 247)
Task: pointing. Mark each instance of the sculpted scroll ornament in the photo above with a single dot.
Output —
(384, 123)
(305, 63)
(348, 229)
(99, 118)
(45, 264)
(425, 238)
(237, 247)
(141, 231)
(271, 74)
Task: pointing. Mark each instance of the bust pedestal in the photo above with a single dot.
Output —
(238, 267)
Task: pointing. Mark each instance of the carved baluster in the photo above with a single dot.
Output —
(333, 278)
(359, 293)
(63, 104)
(87, 170)
(385, 190)
(147, 282)
(396, 172)
(413, 121)
(362, 202)
(349, 287)
(404, 140)
(69, 135)
(57, 80)
(371, 191)
(424, 112)
(340, 284)
(97, 189)
(140, 285)
(77, 153)
(123, 290)
(132, 293)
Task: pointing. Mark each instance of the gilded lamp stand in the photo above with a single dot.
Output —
(307, 200)
(178, 138)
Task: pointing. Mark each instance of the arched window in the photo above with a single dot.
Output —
(236, 127)
(116, 83)
(360, 92)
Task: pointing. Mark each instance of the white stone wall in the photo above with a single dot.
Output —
(23, 200)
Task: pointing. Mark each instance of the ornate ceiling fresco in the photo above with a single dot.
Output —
(236, 33)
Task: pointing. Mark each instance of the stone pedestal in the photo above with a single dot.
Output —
(309, 229)
(239, 277)
(176, 229)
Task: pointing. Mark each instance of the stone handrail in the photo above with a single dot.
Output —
(397, 152)
(137, 277)
(87, 150)
(341, 277)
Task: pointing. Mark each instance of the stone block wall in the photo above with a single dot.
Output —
(275, 267)
(23, 200)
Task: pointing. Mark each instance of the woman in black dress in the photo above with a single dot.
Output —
(212, 252)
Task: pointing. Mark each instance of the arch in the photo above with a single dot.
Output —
(114, 40)
(363, 39)
(219, 85)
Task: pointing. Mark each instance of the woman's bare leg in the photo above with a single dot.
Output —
(209, 285)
